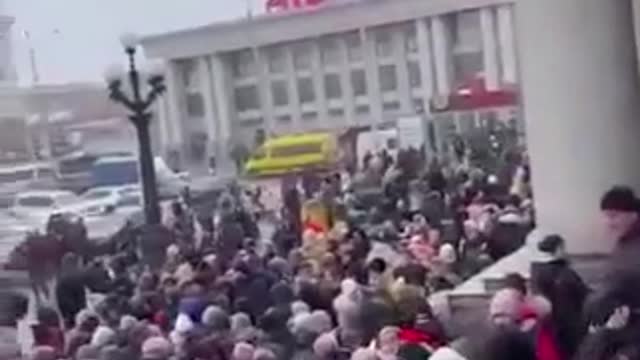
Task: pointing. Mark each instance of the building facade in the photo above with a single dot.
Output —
(360, 63)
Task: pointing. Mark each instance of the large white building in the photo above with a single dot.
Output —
(336, 66)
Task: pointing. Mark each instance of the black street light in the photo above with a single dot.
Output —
(140, 115)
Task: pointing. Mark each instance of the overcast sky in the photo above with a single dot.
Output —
(76, 39)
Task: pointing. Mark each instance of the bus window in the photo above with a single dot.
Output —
(76, 165)
(296, 150)
(259, 153)
(45, 173)
(15, 176)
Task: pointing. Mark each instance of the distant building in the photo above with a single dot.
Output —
(36, 121)
(336, 66)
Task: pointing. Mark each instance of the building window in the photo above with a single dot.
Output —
(279, 93)
(330, 51)
(336, 113)
(252, 122)
(277, 60)
(466, 32)
(391, 106)
(359, 82)
(188, 74)
(415, 76)
(284, 119)
(418, 105)
(384, 43)
(247, 98)
(388, 78)
(302, 56)
(332, 87)
(244, 64)
(305, 90)
(309, 116)
(354, 47)
(362, 109)
(411, 39)
(466, 67)
(194, 105)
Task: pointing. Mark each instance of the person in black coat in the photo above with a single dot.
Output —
(554, 278)
(70, 290)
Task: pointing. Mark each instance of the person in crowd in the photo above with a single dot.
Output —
(48, 331)
(553, 278)
(70, 289)
(620, 208)
(86, 323)
(13, 307)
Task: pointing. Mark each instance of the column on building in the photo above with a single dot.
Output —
(208, 96)
(175, 108)
(507, 44)
(348, 98)
(292, 87)
(441, 54)
(372, 75)
(489, 48)
(224, 112)
(402, 71)
(317, 73)
(264, 89)
(580, 92)
(425, 52)
(162, 117)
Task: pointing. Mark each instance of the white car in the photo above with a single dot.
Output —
(37, 206)
(102, 200)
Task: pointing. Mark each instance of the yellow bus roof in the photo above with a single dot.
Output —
(295, 139)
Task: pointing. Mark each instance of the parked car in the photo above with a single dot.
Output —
(37, 206)
(105, 199)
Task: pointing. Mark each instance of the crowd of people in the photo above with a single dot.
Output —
(350, 278)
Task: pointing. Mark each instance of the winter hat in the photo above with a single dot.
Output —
(127, 322)
(87, 352)
(263, 354)
(281, 293)
(279, 265)
(240, 321)
(619, 198)
(320, 321)
(446, 353)
(299, 307)
(216, 318)
(85, 315)
(325, 345)
(173, 251)
(243, 351)
(299, 322)
(447, 254)
(156, 348)
(183, 324)
(111, 352)
(103, 336)
(551, 244)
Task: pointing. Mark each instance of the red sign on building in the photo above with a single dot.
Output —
(284, 5)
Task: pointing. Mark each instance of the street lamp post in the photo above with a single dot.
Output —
(139, 106)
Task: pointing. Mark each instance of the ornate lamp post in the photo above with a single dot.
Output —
(139, 106)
